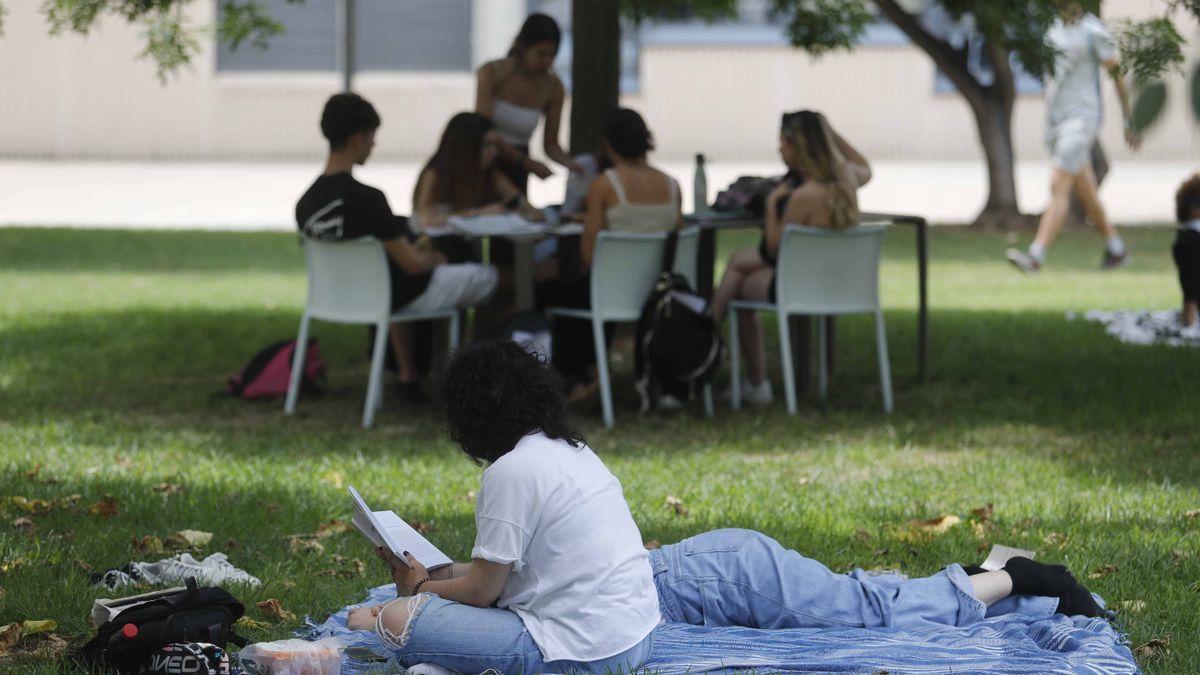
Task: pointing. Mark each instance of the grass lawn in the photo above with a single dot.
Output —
(112, 345)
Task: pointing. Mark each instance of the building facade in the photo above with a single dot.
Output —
(717, 89)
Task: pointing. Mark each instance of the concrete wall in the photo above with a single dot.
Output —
(91, 97)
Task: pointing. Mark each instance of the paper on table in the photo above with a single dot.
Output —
(1000, 555)
(494, 225)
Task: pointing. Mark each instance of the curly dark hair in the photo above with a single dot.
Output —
(495, 393)
(1187, 199)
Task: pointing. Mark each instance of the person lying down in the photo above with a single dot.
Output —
(559, 579)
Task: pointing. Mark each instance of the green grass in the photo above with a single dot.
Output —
(112, 344)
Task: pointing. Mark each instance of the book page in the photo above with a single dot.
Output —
(401, 537)
(1000, 555)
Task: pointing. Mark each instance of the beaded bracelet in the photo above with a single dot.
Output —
(417, 587)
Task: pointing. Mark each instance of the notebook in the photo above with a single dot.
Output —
(388, 530)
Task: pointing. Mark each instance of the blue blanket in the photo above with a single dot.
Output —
(1010, 643)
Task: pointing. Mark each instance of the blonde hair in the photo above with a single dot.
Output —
(810, 135)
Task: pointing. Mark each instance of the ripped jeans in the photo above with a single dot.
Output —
(469, 639)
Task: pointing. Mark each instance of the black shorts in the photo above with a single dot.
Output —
(1186, 252)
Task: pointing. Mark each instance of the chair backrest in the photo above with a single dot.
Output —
(823, 271)
(348, 280)
(625, 266)
(687, 249)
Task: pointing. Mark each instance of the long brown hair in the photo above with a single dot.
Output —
(809, 134)
(462, 180)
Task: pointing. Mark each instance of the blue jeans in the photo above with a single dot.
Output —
(744, 578)
(469, 639)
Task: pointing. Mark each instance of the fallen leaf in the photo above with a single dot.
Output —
(189, 539)
(231, 543)
(1131, 606)
(148, 544)
(34, 506)
(1194, 513)
(106, 507)
(1151, 649)
(935, 525)
(287, 584)
(38, 626)
(248, 624)
(331, 528)
(676, 503)
(327, 573)
(273, 609)
(335, 478)
(983, 513)
(10, 565)
(302, 545)
(862, 535)
(84, 565)
(358, 567)
(24, 524)
(421, 528)
(51, 648)
(469, 497)
(168, 489)
(1102, 571)
(123, 462)
(271, 509)
(1055, 539)
(36, 470)
(2, 592)
(1178, 557)
(803, 480)
(10, 634)
(652, 544)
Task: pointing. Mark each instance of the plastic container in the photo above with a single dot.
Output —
(293, 657)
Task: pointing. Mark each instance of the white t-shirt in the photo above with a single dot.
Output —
(581, 578)
(1073, 92)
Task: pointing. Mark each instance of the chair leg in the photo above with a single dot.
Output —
(823, 357)
(606, 404)
(375, 380)
(708, 400)
(735, 363)
(454, 330)
(885, 368)
(785, 358)
(293, 392)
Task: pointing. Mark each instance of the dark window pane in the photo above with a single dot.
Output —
(307, 42)
(413, 34)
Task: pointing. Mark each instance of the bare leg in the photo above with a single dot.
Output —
(1089, 196)
(1056, 211)
(991, 587)
(401, 339)
(757, 286)
(1191, 308)
(742, 264)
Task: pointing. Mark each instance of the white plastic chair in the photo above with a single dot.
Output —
(687, 250)
(348, 282)
(625, 266)
(820, 273)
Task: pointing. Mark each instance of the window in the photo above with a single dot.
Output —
(962, 32)
(424, 35)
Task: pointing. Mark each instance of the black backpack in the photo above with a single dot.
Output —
(127, 642)
(678, 346)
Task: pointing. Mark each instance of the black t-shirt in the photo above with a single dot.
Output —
(338, 207)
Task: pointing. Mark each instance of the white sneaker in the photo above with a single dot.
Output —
(669, 402)
(756, 395)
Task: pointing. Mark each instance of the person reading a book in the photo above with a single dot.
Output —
(560, 581)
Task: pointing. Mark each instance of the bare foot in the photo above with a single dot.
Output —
(363, 618)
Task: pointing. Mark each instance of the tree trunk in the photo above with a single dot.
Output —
(994, 122)
(595, 70)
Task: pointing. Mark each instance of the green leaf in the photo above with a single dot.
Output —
(1148, 105)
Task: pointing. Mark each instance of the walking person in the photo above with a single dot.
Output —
(1073, 114)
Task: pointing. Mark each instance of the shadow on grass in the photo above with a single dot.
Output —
(994, 374)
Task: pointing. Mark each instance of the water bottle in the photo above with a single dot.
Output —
(699, 187)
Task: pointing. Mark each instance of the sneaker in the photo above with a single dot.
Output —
(1112, 261)
(668, 402)
(1023, 261)
(756, 395)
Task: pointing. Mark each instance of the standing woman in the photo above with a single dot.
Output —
(516, 91)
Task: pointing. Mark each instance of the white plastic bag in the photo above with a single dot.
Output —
(293, 657)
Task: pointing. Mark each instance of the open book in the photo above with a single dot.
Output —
(386, 529)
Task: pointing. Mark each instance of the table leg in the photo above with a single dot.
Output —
(706, 260)
(923, 300)
(523, 274)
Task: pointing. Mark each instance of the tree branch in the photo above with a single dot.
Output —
(953, 62)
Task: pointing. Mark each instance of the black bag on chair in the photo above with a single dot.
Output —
(678, 346)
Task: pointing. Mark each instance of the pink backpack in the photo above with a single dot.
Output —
(268, 373)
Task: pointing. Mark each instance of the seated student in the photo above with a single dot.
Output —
(338, 207)
(631, 196)
(461, 179)
(559, 580)
(1186, 249)
(824, 174)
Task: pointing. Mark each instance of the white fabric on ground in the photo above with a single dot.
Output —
(215, 569)
(1144, 327)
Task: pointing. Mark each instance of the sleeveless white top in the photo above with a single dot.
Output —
(515, 123)
(627, 217)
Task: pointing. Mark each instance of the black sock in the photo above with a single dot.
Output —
(1078, 601)
(1034, 578)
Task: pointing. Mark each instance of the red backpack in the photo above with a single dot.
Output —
(269, 372)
